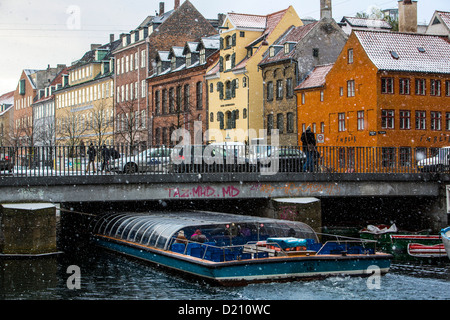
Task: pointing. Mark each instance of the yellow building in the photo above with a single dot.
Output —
(85, 104)
(235, 83)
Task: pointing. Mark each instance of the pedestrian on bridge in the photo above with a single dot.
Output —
(91, 158)
(309, 147)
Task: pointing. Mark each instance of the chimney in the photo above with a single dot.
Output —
(161, 8)
(407, 16)
(326, 9)
(111, 38)
(177, 4)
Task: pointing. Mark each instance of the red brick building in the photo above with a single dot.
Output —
(178, 91)
(134, 63)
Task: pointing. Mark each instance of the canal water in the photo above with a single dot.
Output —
(107, 276)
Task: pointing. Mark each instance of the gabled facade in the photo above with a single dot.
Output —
(137, 62)
(385, 90)
(348, 24)
(178, 92)
(6, 117)
(236, 102)
(440, 24)
(44, 111)
(288, 61)
(85, 104)
(29, 83)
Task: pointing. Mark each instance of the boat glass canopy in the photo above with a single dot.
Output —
(159, 229)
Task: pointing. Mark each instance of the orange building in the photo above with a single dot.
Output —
(387, 90)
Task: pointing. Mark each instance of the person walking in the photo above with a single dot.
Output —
(91, 158)
(105, 158)
(309, 147)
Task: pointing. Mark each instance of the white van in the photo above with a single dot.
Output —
(438, 163)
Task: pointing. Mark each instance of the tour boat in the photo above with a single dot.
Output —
(235, 249)
(446, 240)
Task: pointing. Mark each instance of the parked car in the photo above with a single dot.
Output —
(151, 160)
(6, 160)
(216, 157)
(438, 163)
(290, 159)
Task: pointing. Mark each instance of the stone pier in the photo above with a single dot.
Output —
(27, 229)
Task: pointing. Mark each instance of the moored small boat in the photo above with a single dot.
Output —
(404, 245)
(445, 234)
(235, 249)
(426, 251)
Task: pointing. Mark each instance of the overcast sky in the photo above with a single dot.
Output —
(36, 33)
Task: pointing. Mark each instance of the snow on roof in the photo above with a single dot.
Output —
(316, 78)
(367, 23)
(248, 20)
(445, 16)
(406, 51)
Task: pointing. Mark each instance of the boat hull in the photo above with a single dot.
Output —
(446, 240)
(237, 273)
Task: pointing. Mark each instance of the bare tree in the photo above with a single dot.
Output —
(102, 120)
(131, 124)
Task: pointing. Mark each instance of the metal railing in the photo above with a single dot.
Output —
(44, 161)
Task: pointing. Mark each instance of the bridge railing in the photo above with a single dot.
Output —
(81, 161)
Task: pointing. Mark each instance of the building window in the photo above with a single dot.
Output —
(279, 89)
(388, 157)
(315, 52)
(421, 120)
(269, 124)
(435, 88)
(171, 100)
(143, 88)
(244, 114)
(447, 88)
(387, 85)
(199, 95)
(179, 97)
(361, 124)
(164, 102)
(404, 86)
(351, 88)
(280, 123)
(321, 95)
(387, 119)
(270, 91)
(303, 98)
(447, 121)
(203, 56)
(350, 56)
(436, 120)
(143, 58)
(405, 156)
(289, 88)
(290, 122)
(405, 120)
(421, 87)
(211, 117)
(187, 95)
(322, 127)
(341, 91)
(157, 102)
(341, 122)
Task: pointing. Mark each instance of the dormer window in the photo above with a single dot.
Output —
(159, 67)
(272, 51)
(203, 56)
(174, 63)
(288, 47)
(188, 59)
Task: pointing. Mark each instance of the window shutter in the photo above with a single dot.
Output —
(221, 64)
(233, 60)
(233, 89)
(220, 89)
(220, 118)
(233, 120)
(233, 40)
(221, 43)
